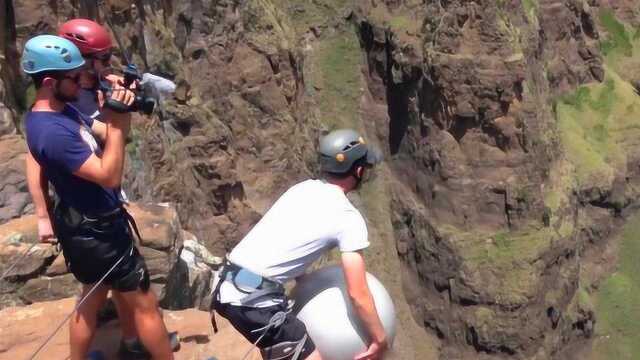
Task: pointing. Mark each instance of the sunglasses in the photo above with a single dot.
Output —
(105, 56)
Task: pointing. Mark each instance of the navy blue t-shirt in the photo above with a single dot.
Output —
(87, 103)
(61, 143)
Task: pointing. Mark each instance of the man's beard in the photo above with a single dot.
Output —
(62, 97)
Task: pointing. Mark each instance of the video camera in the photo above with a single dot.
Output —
(146, 96)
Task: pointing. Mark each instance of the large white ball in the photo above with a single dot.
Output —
(322, 304)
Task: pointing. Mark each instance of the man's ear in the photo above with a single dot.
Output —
(49, 82)
(359, 172)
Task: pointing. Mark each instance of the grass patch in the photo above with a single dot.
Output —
(402, 22)
(398, 21)
(336, 78)
(305, 14)
(620, 45)
(505, 259)
(405, 23)
(617, 40)
(531, 10)
(500, 249)
(507, 247)
(595, 122)
(269, 28)
(618, 302)
(512, 32)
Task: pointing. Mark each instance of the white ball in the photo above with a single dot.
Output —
(322, 304)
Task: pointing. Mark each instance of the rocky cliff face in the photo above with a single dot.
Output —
(508, 126)
(41, 273)
(493, 211)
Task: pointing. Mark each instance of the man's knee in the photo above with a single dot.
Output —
(92, 301)
(140, 302)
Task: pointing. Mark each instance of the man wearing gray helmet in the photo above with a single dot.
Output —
(305, 222)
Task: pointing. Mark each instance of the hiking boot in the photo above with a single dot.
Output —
(137, 351)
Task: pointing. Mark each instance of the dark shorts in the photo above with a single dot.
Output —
(246, 318)
(92, 245)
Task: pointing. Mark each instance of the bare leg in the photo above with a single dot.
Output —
(148, 322)
(125, 315)
(82, 325)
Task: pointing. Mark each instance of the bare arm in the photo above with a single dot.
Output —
(362, 300)
(107, 170)
(99, 129)
(39, 189)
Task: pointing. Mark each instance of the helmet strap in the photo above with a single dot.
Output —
(359, 178)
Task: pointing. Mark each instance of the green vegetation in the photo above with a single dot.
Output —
(531, 10)
(598, 124)
(618, 40)
(619, 44)
(336, 76)
(618, 302)
(399, 22)
(269, 28)
(304, 14)
(506, 247)
(513, 33)
(595, 123)
(507, 258)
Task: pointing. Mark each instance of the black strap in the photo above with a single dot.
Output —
(132, 224)
(214, 324)
(216, 294)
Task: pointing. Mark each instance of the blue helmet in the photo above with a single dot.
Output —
(50, 53)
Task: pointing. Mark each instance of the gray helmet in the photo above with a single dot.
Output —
(340, 149)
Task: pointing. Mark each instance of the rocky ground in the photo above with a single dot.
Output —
(23, 330)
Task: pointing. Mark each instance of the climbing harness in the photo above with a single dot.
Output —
(254, 287)
(132, 227)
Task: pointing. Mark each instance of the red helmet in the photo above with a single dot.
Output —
(89, 36)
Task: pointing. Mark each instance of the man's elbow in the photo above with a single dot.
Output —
(358, 297)
(109, 182)
(113, 183)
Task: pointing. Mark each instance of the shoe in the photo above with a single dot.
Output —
(137, 351)
(95, 355)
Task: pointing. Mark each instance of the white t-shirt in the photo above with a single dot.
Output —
(305, 222)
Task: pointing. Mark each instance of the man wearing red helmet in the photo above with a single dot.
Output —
(89, 36)
(94, 43)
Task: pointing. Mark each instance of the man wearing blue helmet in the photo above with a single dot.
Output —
(89, 220)
(95, 45)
